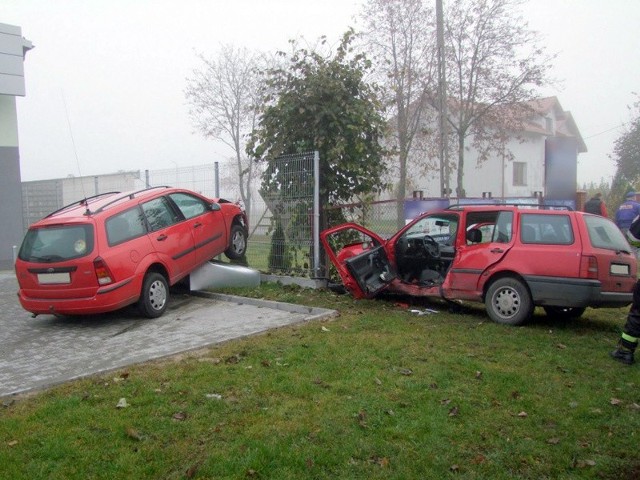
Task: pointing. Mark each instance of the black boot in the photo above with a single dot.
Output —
(623, 354)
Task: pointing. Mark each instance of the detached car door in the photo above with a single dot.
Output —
(359, 257)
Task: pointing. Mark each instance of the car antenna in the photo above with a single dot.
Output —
(75, 152)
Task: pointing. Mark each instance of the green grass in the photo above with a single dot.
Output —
(375, 393)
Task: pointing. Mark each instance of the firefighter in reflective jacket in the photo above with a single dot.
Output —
(631, 331)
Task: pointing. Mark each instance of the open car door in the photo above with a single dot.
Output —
(360, 258)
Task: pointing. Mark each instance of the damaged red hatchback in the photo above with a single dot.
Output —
(512, 258)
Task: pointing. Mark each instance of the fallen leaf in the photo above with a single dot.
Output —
(233, 359)
(515, 395)
(362, 419)
(406, 371)
(215, 396)
(378, 381)
(454, 411)
(616, 401)
(479, 459)
(12, 443)
(122, 403)
(553, 441)
(265, 363)
(446, 401)
(179, 416)
(478, 375)
(325, 329)
(309, 463)
(523, 414)
(454, 468)
(191, 471)
(561, 346)
(635, 406)
(134, 434)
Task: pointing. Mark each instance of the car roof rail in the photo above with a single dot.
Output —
(129, 195)
(78, 203)
(547, 206)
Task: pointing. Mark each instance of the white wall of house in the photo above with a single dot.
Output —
(524, 176)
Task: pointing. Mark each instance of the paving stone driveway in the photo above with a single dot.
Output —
(43, 351)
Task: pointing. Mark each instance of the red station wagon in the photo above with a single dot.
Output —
(512, 258)
(108, 251)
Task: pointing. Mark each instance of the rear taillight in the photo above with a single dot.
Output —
(103, 274)
(588, 267)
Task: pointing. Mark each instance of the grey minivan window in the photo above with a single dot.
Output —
(603, 233)
(56, 244)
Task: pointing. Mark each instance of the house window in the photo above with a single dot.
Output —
(519, 174)
(548, 123)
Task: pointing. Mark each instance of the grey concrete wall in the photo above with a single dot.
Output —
(11, 228)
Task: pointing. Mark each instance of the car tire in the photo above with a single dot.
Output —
(564, 313)
(508, 301)
(154, 296)
(238, 244)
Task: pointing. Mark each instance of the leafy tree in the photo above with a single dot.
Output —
(322, 102)
(400, 35)
(626, 153)
(494, 65)
(222, 96)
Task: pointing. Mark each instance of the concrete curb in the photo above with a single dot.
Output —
(311, 313)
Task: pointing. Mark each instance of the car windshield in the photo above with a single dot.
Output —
(442, 228)
(603, 233)
(57, 243)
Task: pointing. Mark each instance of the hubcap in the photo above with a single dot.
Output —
(506, 302)
(238, 242)
(157, 295)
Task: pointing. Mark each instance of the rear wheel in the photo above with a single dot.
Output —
(508, 301)
(564, 313)
(154, 296)
(238, 245)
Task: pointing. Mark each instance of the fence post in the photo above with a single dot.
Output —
(146, 178)
(316, 213)
(216, 179)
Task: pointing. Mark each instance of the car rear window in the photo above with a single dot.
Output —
(546, 229)
(603, 233)
(56, 243)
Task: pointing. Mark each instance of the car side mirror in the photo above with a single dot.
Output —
(215, 207)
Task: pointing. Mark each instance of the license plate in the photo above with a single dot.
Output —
(619, 269)
(54, 278)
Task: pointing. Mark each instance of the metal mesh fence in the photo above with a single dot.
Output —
(279, 208)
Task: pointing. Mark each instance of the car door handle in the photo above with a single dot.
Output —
(162, 238)
(197, 224)
(496, 250)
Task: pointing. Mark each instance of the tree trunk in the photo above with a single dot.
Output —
(460, 193)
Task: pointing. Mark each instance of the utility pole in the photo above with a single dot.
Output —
(442, 103)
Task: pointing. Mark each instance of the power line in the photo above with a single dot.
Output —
(605, 131)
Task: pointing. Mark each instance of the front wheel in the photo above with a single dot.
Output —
(154, 296)
(238, 245)
(508, 301)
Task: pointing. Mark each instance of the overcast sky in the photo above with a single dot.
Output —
(108, 76)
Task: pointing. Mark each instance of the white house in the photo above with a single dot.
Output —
(545, 154)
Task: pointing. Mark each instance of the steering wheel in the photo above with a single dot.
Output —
(431, 246)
